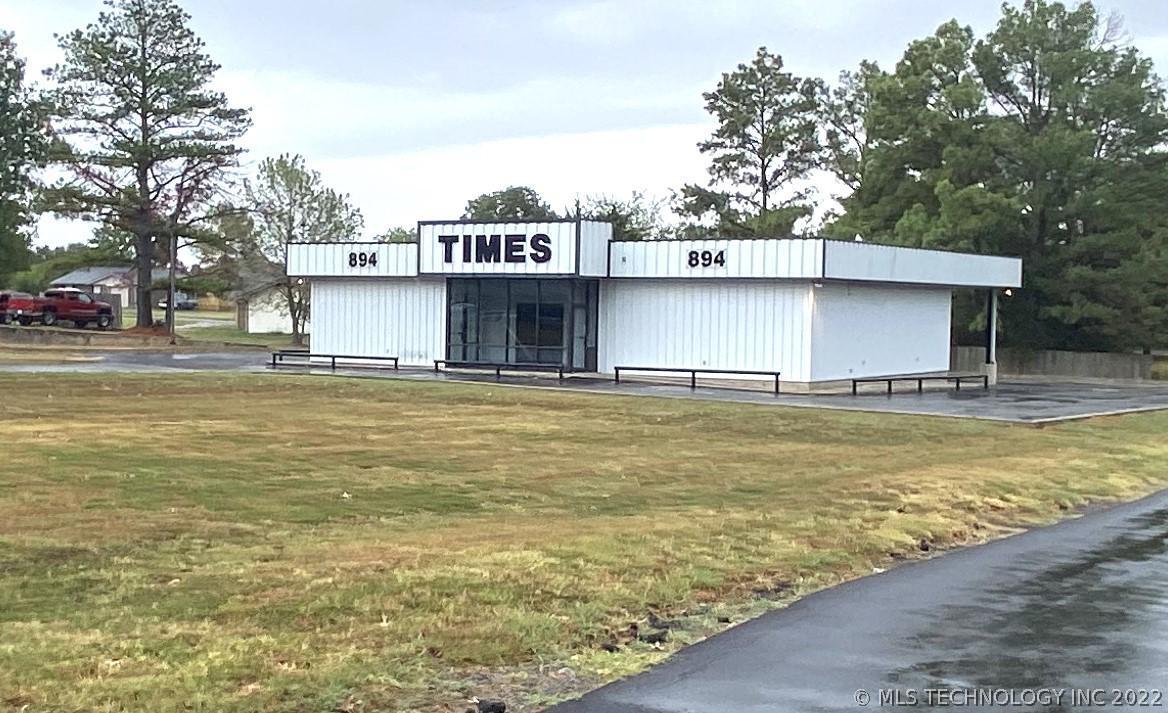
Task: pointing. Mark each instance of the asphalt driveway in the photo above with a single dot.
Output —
(1080, 607)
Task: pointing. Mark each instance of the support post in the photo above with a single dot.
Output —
(170, 290)
(991, 335)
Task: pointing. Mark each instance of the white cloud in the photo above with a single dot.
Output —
(403, 188)
(616, 22)
(357, 118)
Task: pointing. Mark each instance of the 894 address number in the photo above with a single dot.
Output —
(707, 258)
(363, 259)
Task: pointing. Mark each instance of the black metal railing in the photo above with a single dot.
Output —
(280, 358)
(693, 373)
(500, 367)
(955, 378)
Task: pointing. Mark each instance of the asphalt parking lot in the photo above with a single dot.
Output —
(1019, 400)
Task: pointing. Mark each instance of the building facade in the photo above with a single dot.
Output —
(565, 293)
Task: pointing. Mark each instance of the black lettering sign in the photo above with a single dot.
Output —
(541, 248)
(363, 259)
(487, 248)
(448, 242)
(513, 252)
(706, 258)
(510, 248)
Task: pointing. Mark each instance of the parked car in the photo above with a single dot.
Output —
(69, 304)
(19, 307)
(180, 303)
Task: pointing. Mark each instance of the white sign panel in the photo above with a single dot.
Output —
(352, 260)
(717, 258)
(497, 248)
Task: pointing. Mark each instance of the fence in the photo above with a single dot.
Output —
(1023, 362)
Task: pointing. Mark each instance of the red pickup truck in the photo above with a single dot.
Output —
(17, 306)
(57, 304)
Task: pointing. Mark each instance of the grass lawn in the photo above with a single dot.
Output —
(230, 334)
(181, 317)
(214, 327)
(283, 543)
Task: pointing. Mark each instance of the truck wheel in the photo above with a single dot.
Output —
(5, 318)
(104, 321)
(49, 318)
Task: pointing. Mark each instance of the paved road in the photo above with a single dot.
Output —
(1083, 604)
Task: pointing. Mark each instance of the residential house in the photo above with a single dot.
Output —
(113, 281)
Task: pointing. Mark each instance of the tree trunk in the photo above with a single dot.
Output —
(297, 336)
(144, 261)
(295, 309)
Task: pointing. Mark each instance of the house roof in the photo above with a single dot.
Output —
(93, 275)
(89, 275)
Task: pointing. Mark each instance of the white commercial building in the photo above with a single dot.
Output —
(564, 293)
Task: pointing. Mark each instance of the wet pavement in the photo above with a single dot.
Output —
(1080, 607)
(1026, 401)
(147, 361)
(1014, 401)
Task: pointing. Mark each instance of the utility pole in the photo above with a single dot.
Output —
(170, 286)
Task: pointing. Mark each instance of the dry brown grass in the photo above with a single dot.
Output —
(35, 355)
(184, 542)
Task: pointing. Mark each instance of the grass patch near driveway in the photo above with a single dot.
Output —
(230, 334)
(218, 542)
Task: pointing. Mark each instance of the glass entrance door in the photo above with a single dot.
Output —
(521, 321)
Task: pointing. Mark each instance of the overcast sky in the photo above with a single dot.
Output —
(414, 107)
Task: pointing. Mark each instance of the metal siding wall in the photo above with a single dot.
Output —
(563, 247)
(403, 318)
(332, 260)
(878, 330)
(887, 263)
(594, 239)
(762, 257)
(725, 324)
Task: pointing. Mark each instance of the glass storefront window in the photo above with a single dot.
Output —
(521, 321)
